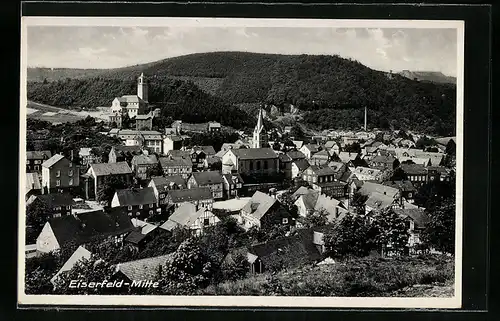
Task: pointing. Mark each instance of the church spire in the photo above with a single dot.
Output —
(258, 133)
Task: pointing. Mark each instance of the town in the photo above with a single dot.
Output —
(159, 205)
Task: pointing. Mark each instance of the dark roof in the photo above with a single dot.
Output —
(229, 177)
(302, 164)
(259, 204)
(322, 170)
(53, 160)
(38, 154)
(284, 158)
(321, 154)
(144, 159)
(136, 196)
(295, 154)
(162, 183)
(345, 176)
(210, 177)
(86, 226)
(135, 237)
(369, 188)
(188, 195)
(208, 150)
(296, 248)
(312, 147)
(254, 153)
(179, 153)
(33, 182)
(383, 159)
(416, 214)
(56, 199)
(175, 161)
(413, 169)
(103, 169)
(143, 269)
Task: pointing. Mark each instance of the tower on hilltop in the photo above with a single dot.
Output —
(142, 87)
(259, 135)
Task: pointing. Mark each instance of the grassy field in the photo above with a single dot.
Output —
(367, 277)
(61, 115)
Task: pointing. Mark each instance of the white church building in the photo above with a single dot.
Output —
(133, 104)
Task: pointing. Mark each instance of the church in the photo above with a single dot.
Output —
(259, 139)
(133, 105)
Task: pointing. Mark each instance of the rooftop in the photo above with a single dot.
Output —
(254, 153)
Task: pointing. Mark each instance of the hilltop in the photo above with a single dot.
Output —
(430, 76)
(330, 91)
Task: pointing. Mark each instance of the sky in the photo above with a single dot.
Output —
(111, 47)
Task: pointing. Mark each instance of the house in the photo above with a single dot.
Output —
(332, 147)
(320, 158)
(382, 162)
(133, 104)
(291, 251)
(98, 173)
(309, 149)
(34, 160)
(348, 158)
(32, 185)
(438, 173)
(335, 189)
(122, 153)
(87, 157)
(139, 203)
(406, 188)
(143, 232)
(377, 202)
(417, 221)
(211, 179)
(147, 139)
(142, 164)
(264, 211)
(298, 167)
(144, 122)
(318, 174)
(214, 126)
(200, 197)
(298, 144)
(189, 216)
(161, 185)
(108, 226)
(140, 270)
(59, 173)
(250, 161)
(339, 168)
(370, 187)
(312, 201)
(182, 127)
(416, 160)
(58, 204)
(416, 173)
(285, 164)
(80, 254)
(367, 174)
(173, 166)
(296, 155)
(232, 185)
(227, 146)
(171, 142)
(199, 154)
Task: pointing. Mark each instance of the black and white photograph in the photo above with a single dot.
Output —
(241, 162)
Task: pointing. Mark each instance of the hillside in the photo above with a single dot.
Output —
(177, 99)
(315, 84)
(432, 76)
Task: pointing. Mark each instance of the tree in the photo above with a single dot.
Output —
(440, 231)
(353, 148)
(296, 132)
(389, 230)
(358, 202)
(399, 175)
(155, 170)
(237, 268)
(315, 219)
(108, 188)
(348, 237)
(433, 193)
(286, 199)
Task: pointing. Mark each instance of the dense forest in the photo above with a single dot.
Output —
(177, 99)
(328, 86)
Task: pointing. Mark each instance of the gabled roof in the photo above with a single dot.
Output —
(346, 157)
(232, 205)
(144, 159)
(179, 153)
(298, 143)
(190, 195)
(136, 196)
(416, 214)
(302, 164)
(104, 169)
(90, 225)
(413, 169)
(208, 150)
(312, 148)
(379, 201)
(295, 155)
(144, 227)
(259, 204)
(383, 159)
(186, 214)
(55, 199)
(255, 153)
(367, 171)
(209, 177)
(144, 117)
(322, 170)
(79, 254)
(321, 154)
(33, 182)
(405, 186)
(369, 188)
(130, 99)
(171, 161)
(163, 183)
(52, 161)
(284, 158)
(330, 144)
(38, 154)
(143, 269)
(336, 166)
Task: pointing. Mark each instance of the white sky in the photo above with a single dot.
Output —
(111, 47)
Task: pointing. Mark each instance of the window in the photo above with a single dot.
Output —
(27, 162)
(140, 207)
(37, 167)
(409, 195)
(285, 220)
(38, 162)
(58, 182)
(68, 207)
(70, 172)
(71, 165)
(150, 205)
(70, 181)
(265, 164)
(151, 212)
(58, 173)
(258, 165)
(138, 214)
(162, 196)
(130, 214)
(130, 207)
(206, 222)
(57, 215)
(251, 165)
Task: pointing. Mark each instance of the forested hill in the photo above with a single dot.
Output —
(315, 84)
(177, 99)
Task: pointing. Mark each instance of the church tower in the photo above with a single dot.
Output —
(142, 87)
(259, 135)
